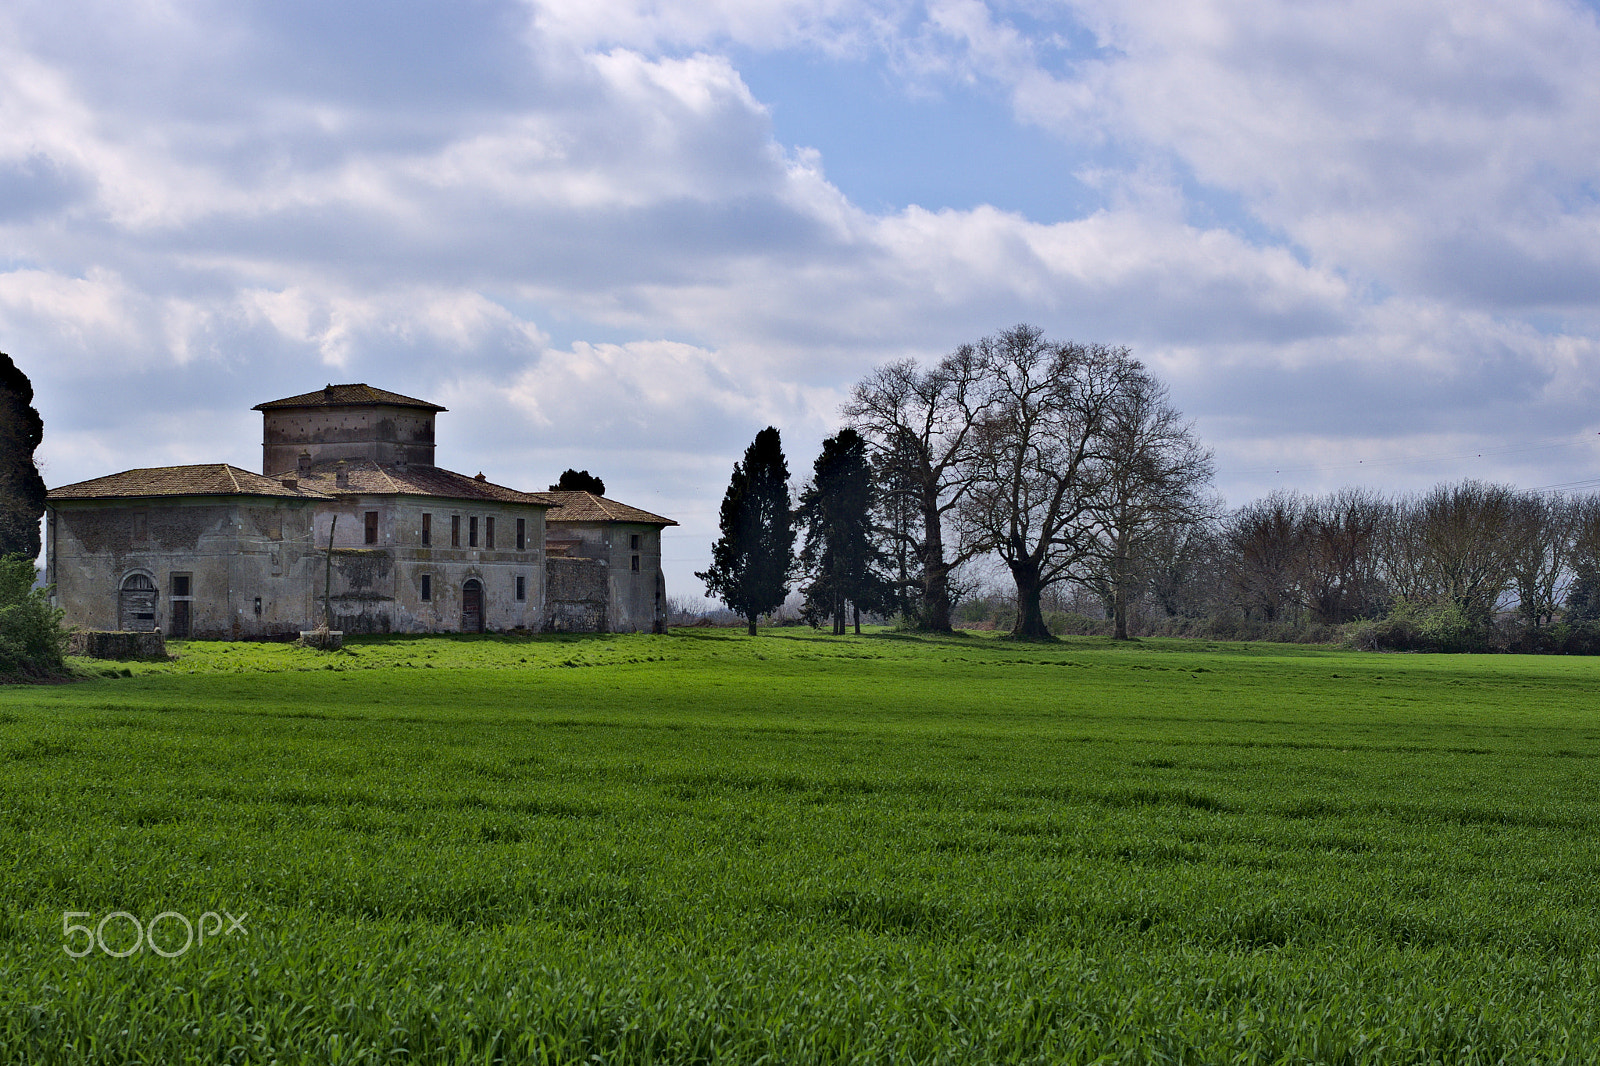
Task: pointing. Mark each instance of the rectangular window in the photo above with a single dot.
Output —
(488, 533)
(522, 587)
(522, 533)
(633, 542)
(455, 531)
(636, 564)
(472, 532)
(427, 530)
(427, 586)
(180, 623)
(372, 527)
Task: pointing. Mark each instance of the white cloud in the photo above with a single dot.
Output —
(1448, 148)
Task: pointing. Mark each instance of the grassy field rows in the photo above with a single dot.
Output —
(705, 847)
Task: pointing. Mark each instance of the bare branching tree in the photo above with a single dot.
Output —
(1463, 533)
(1264, 542)
(1041, 458)
(1152, 481)
(921, 424)
(1541, 537)
(1338, 577)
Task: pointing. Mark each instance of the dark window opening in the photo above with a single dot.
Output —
(455, 531)
(488, 533)
(522, 587)
(635, 567)
(633, 542)
(472, 532)
(372, 527)
(427, 529)
(427, 586)
(181, 624)
(522, 533)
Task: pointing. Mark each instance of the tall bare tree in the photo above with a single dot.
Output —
(1186, 568)
(1583, 596)
(1263, 540)
(1152, 480)
(1040, 458)
(1338, 571)
(920, 423)
(1463, 534)
(1541, 532)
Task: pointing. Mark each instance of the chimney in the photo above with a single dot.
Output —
(341, 475)
(291, 482)
(480, 477)
(303, 464)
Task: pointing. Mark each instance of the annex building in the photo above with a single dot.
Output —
(349, 517)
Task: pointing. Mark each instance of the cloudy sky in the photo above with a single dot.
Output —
(1360, 240)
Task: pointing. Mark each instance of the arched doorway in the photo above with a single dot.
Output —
(136, 604)
(472, 606)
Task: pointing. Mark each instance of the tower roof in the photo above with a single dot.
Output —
(358, 395)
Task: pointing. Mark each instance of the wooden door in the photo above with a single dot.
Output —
(472, 607)
(136, 604)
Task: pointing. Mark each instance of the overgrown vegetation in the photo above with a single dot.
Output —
(32, 640)
(708, 848)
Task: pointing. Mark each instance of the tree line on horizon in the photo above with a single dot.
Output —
(1068, 466)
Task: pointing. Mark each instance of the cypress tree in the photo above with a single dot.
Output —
(21, 488)
(752, 560)
(839, 554)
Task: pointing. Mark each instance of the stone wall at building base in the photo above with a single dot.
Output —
(103, 644)
(576, 595)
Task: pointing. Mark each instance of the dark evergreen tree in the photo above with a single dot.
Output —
(21, 488)
(840, 557)
(752, 561)
(579, 481)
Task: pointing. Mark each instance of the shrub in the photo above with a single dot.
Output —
(32, 641)
(1420, 627)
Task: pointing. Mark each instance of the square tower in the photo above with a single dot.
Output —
(346, 422)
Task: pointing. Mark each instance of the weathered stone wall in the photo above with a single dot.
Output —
(637, 599)
(383, 433)
(99, 644)
(378, 588)
(577, 596)
(249, 562)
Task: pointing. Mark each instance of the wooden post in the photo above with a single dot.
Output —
(327, 579)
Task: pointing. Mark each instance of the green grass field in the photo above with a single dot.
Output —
(704, 847)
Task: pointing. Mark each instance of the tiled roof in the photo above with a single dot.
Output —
(205, 479)
(574, 506)
(347, 396)
(368, 478)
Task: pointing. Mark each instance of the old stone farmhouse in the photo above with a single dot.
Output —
(349, 517)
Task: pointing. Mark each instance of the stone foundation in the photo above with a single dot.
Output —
(100, 644)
